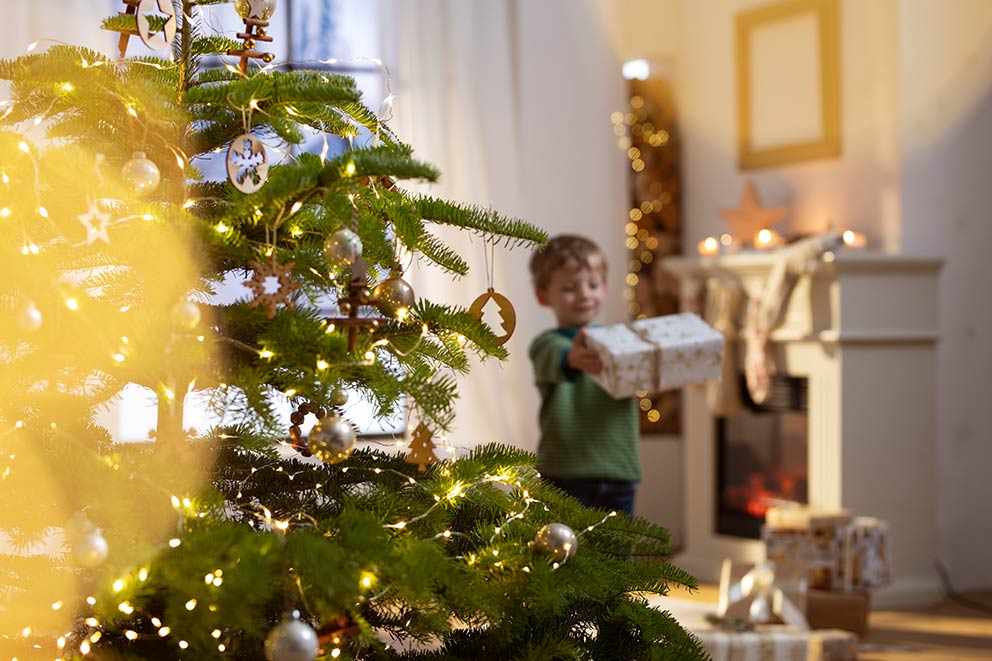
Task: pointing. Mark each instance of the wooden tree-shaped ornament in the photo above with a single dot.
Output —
(255, 14)
(421, 448)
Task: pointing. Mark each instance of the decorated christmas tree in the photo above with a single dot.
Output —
(256, 539)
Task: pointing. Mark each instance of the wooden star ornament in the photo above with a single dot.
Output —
(268, 294)
(750, 217)
(95, 222)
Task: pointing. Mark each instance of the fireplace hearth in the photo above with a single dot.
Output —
(761, 457)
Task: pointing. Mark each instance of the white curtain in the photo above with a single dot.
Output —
(512, 101)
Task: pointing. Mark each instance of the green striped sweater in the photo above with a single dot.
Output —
(584, 431)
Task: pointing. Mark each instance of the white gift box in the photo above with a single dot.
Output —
(660, 353)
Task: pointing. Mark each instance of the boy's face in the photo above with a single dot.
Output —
(575, 293)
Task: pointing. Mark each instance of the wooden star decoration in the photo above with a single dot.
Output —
(95, 222)
(259, 285)
(750, 217)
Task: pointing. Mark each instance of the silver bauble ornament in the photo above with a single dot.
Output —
(260, 9)
(141, 174)
(556, 540)
(332, 439)
(342, 248)
(394, 296)
(292, 640)
(89, 547)
(90, 550)
(186, 315)
(339, 397)
(29, 317)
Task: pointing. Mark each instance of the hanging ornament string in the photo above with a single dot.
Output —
(506, 312)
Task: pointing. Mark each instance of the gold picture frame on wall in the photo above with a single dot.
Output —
(788, 83)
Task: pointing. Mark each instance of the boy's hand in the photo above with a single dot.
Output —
(582, 358)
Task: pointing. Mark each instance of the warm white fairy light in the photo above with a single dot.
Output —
(118, 585)
(175, 542)
(130, 635)
(125, 607)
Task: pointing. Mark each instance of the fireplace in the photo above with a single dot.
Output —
(857, 340)
(761, 457)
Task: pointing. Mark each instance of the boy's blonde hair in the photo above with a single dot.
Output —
(564, 250)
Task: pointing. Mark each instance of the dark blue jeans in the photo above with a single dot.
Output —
(598, 493)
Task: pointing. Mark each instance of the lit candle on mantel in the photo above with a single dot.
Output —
(766, 239)
(854, 239)
(709, 247)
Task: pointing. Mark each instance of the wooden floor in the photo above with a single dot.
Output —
(947, 632)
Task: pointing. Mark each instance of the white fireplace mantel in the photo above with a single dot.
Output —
(862, 328)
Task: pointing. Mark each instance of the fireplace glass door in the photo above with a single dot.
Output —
(762, 457)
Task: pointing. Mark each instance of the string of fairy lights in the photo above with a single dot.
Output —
(629, 127)
(123, 588)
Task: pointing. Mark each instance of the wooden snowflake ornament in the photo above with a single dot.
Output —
(247, 163)
(269, 294)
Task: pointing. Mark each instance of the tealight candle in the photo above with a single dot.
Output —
(709, 246)
(854, 239)
(766, 238)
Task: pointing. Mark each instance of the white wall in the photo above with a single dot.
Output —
(946, 143)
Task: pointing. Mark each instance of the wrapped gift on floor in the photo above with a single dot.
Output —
(835, 551)
(867, 549)
(807, 544)
(838, 610)
(660, 353)
(774, 642)
(779, 643)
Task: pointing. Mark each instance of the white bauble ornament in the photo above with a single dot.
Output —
(394, 296)
(29, 317)
(141, 174)
(186, 315)
(332, 439)
(90, 550)
(342, 248)
(292, 640)
(260, 9)
(89, 547)
(556, 540)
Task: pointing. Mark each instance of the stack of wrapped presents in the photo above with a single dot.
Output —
(829, 562)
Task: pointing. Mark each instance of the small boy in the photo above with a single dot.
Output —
(589, 441)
